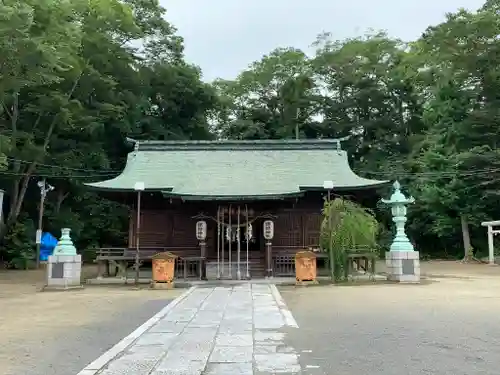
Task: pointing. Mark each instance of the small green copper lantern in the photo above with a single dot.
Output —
(398, 203)
(65, 245)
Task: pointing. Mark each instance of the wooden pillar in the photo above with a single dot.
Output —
(269, 259)
(238, 247)
(230, 263)
(219, 241)
(202, 265)
(268, 227)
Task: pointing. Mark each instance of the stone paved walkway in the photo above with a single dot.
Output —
(237, 330)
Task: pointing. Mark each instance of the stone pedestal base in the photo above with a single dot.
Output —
(64, 271)
(155, 285)
(403, 266)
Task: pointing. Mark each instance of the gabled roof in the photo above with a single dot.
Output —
(236, 169)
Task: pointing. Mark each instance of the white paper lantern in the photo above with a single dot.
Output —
(268, 229)
(201, 230)
(249, 232)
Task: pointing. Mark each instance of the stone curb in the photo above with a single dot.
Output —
(96, 366)
(287, 315)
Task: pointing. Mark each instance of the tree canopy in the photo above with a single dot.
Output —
(79, 77)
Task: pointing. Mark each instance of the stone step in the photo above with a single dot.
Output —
(256, 269)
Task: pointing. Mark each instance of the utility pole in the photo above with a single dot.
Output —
(328, 186)
(1, 204)
(1, 209)
(44, 189)
(137, 237)
(297, 111)
(139, 188)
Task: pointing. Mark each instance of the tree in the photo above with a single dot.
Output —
(96, 90)
(79, 77)
(459, 65)
(39, 42)
(368, 97)
(274, 98)
(346, 226)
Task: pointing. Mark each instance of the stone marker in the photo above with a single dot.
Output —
(402, 261)
(64, 267)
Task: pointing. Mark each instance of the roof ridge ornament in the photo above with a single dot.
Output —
(242, 145)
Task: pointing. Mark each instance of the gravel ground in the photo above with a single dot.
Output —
(59, 333)
(449, 326)
(443, 327)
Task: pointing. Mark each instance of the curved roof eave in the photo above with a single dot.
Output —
(272, 196)
(373, 184)
(305, 161)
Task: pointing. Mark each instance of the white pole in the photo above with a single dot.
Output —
(43, 195)
(1, 204)
(248, 240)
(137, 239)
(218, 242)
(491, 250)
(238, 247)
(223, 238)
(230, 243)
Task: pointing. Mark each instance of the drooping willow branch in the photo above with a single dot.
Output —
(346, 226)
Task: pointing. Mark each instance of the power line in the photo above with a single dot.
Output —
(456, 173)
(63, 167)
(35, 174)
(92, 173)
(388, 175)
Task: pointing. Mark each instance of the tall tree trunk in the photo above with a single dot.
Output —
(466, 238)
(20, 184)
(2, 220)
(61, 196)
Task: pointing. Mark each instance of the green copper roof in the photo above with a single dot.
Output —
(236, 169)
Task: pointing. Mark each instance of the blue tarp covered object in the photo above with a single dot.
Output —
(47, 245)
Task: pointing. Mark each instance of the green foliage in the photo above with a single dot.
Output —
(72, 88)
(424, 112)
(346, 226)
(78, 77)
(19, 244)
(272, 99)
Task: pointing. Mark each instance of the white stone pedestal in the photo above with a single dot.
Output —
(64, 271)
(403, 266)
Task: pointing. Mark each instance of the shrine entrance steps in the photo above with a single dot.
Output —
(229, 270)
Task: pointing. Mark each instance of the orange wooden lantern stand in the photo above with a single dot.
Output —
(305, 267)
(163, 265)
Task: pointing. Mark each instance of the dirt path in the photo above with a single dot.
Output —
(452, 268)
(58, 333)
(448, 326)
(34, 323)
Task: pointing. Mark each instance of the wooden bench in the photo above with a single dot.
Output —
(364, 259)
(121, 259)
(191, 267)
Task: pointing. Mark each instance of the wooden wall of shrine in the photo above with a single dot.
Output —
(172, 226)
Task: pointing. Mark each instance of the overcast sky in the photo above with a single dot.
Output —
(224, 36)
